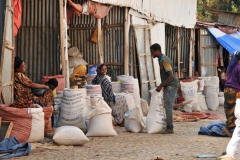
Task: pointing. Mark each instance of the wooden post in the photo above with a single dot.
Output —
(191, 52)
(178, 51)
(63, 41)
(100, 48)
(126, 42)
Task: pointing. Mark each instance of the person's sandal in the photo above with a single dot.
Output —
(166, 131)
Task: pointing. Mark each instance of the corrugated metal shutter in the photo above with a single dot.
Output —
(37, 42)
(2, 19)
(208, 54)
(81, 30)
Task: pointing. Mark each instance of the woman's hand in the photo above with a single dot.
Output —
(47, 87)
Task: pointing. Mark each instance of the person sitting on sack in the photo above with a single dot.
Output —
(117, 103)
(24, 87)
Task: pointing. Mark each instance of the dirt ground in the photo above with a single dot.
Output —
(184, 144)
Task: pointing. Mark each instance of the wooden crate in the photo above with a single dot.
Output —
(6, 129)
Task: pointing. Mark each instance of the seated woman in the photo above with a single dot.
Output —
(23, 87)
(117, 103)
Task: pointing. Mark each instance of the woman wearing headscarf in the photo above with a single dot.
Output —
(117, 103)
(23, 87)
(232, 92)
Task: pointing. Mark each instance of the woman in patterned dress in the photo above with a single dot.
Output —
(23, 87)
(117, 103)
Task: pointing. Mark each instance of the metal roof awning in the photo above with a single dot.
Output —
(230, 43)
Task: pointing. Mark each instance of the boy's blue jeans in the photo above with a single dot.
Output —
(169, 94)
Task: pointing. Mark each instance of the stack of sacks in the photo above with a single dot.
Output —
(75, 58)
(156, 118)
(72, 105)
(94, 90)
(211, 90)
(100, 118)
(189, 91)
(233, 147)
(221, 98)
(28, 123)
(131, 85)
(202, 101)
(134, 120)
(117, 87)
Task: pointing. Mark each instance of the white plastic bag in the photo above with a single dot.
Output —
(233, 147)
(237, 109)
(156, 118)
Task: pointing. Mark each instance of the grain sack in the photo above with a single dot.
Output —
(100, 119)
(134, 120)
(131, 85)
(233, 147)
(202, 102)
(95, 90)
(117, 87)
(189, 92)
(144, 107)
(156, 118)
(211, 100)
(201, 84)
(221, 101)
(129, 98)
(28, 123)
(72, 105)
(237, 109)
(69, 135)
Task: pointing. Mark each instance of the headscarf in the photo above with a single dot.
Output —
(17, 62)
(234, 61)
(106, 86)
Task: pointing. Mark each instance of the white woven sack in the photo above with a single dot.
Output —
(202, 102)
(156, 118)
(37, 128)
(69, 135)
(233, 147)
(212, 100)
(189, 91)
(100, 119)
(144, 107)
(101, 125)
(134, 120)
(221, 101)
(237, 109)
(73, 93)
(130, 100)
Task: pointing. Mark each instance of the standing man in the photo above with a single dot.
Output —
(169, 85)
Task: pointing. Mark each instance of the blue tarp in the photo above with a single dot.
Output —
(230, 43)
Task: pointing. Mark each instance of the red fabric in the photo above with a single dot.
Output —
(98, 10)
(77, 7)
(70, 12)
(194, 116)
(47, 119)
(227, 31)
(22, 121)
(17, 15)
